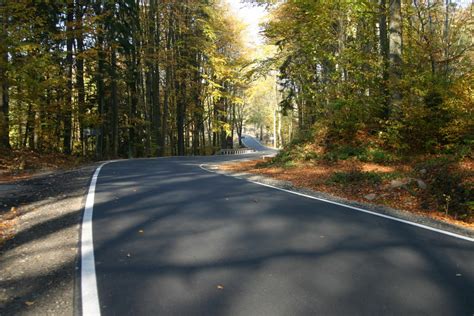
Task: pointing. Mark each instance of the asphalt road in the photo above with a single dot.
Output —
(173, 239)
(253, 143)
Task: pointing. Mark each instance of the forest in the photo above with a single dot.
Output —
(398, 70)
(383, 81)
(386, 82)
(151, 78)
(119, 78)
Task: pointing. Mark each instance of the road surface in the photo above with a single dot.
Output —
(252, 142)
(173, 239)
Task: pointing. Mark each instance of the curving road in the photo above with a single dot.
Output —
(252, 142)
(173, 239)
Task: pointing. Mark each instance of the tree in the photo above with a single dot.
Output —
(349, 80)
(4, 87)
(395, 48)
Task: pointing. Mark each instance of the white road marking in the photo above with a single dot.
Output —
(89, 294)
(351, 207)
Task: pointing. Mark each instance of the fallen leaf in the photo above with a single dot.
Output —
(29, 303)
(220, 287)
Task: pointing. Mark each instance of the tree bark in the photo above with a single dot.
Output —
(157, 113)
(4, 87)
(168, 81)
(385, 52)
(81, 96)
(395, 44)
(114, 102)
(67, 112)
(446, 37)
(99, 78)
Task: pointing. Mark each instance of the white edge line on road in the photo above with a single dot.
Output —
(350, 207)
(89, 294)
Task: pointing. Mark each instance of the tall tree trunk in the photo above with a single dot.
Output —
(180, 116)
(275, 137)
(134, 83)
(155, 42)
(81, 95)
(198, 105)
(168, 84)
(280, 137)
(102, 131)
(180, 93)
(114, 102)
(4, 88)
(395, 44)
(67, 112)
(385, 52)
(99, 77)
(431, 39)
(446, 37)
(28, 140)
(150, 66)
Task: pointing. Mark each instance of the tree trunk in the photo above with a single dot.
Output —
(4, 88)
(114, 104)
(133, 86)
(100, 94)
(28, 139)
(385, 52)
(166, 97)
(446, 37)
(157, 114)
(275, 128)
(67, 112)
(81, 96)
(395, 44)
(180, 115)
(280, 138)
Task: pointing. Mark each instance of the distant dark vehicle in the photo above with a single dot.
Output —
(243, 137)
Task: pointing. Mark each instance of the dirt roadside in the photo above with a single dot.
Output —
(38, 265)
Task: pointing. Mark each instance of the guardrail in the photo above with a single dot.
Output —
(239, 151)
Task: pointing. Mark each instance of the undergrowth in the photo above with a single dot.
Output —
(449, 188)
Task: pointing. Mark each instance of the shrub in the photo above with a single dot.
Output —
(342, 153)
(376, 155)
(447, 186)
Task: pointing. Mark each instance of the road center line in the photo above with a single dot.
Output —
(350, 207)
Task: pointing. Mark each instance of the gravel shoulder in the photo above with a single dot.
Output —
(38, 265)
(405, 215)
